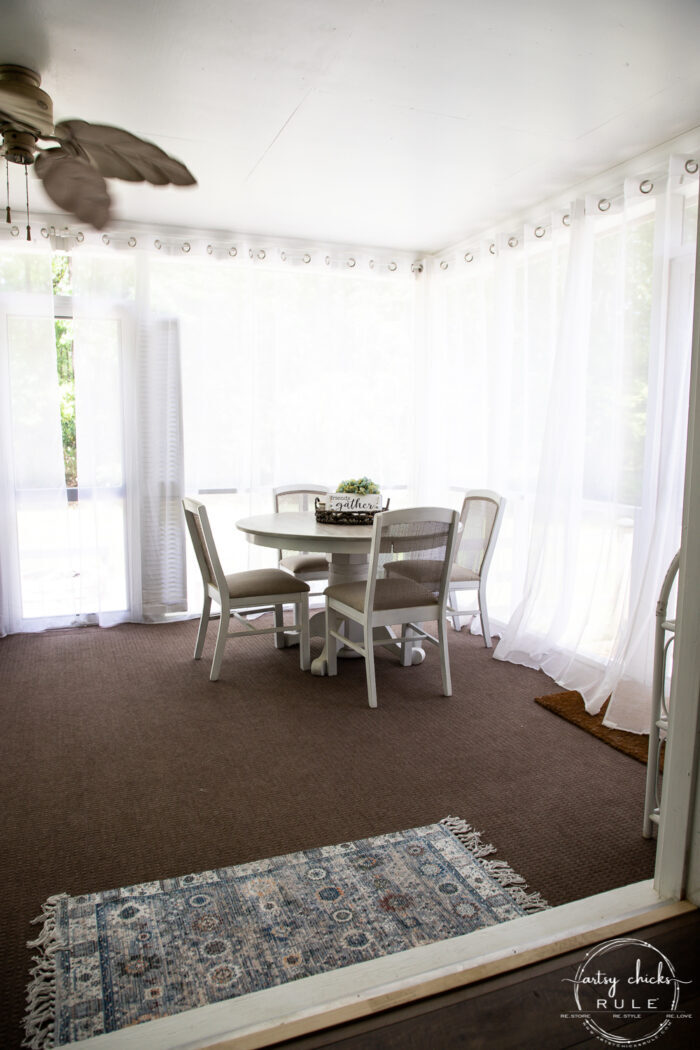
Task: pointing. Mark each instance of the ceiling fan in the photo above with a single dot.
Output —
(74, 171)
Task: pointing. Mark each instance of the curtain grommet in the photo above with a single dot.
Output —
(392, 266)
(210, 249)
(233, 252)
(469, 257)
(131, 242)
(492, 248)
(186, 247)
(540, 232)
(307, 258)
(157, 245)
(646, 186)
(444, 264)
(604, 204)
(350, 262)
(691, 166)
(105, 238)
(80, 236)
(417, 267)
(512, 242)
(566, 220)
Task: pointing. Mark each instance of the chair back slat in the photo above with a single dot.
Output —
(297, 498)
(480, 521)
(424, 535)
(203, 542)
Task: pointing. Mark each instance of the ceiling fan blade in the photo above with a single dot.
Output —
(118, 154)
(74, 185)
(115, 165)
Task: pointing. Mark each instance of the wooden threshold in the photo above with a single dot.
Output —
(308, 1005)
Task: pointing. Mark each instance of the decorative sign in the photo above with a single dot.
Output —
(353, 501)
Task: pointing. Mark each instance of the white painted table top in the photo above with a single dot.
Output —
(301, 532)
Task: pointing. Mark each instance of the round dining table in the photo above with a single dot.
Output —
(348, 547)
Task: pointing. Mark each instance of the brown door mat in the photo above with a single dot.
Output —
(569, 705)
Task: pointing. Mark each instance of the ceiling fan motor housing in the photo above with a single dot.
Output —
(26, 112)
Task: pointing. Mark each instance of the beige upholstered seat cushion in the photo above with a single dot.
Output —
(259, 582)
(428, 572)
(389, 594)
(305, 563)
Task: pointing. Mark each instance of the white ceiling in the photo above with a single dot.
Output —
(391, 123)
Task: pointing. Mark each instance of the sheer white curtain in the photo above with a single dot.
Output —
(293, 370)
(657, 530)
(34, 525)
(581, 332)
(494, 311)
(197, 370)
(115, 550)
(129, 443)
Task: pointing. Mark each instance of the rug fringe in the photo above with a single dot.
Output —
(41, 993)
(468, 836)
(499, 870)
(511, 881)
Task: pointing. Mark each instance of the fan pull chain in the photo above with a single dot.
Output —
(26, 183)
(8, 216)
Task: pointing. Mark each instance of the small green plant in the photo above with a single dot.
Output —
(363, 486)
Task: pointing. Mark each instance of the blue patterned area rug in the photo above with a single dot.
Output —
(131, 955)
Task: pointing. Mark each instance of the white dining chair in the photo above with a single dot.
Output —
(425, 534)
(254, 591)
(299, 498)
(479, 525)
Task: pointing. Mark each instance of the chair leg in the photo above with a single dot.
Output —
(444, 657)
(369, 666)
(203, 624)
(304, 636)
(279, 622)
(456, 621)
(332, 623)
(484, 616)
(221, 637)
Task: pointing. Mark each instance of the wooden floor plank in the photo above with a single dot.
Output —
(522, 1009)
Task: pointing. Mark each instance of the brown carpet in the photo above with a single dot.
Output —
(120, 762)
(569, 705)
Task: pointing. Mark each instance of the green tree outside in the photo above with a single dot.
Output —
(64, 364)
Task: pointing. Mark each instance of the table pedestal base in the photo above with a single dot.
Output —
(409, 652)
(349, 568)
